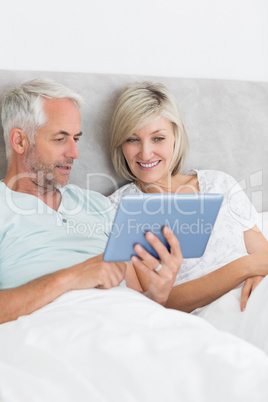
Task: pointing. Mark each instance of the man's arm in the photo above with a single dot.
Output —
(96, 273)
(27, 298)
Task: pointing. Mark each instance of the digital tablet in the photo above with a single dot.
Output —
(190, 216)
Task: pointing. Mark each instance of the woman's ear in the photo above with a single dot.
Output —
(19, 140)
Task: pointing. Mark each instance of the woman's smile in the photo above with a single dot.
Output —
(148, 165)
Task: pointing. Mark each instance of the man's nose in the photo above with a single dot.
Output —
(72, 150)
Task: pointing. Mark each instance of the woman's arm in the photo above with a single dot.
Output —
(255, 242)
(199, 292)
(252, 268)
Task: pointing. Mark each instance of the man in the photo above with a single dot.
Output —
(41, 257)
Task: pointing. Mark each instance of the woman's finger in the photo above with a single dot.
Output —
(150, 260)
(175, 248)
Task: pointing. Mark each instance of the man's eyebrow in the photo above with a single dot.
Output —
(66, 133)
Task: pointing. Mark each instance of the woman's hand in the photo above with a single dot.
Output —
(161, 274)
(249, 285)
(258, 270)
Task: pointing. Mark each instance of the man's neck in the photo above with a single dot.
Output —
(51, 196)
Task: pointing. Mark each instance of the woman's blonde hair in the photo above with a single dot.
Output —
(138, 106)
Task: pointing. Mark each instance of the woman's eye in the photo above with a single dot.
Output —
(131, 140)
(159, 138)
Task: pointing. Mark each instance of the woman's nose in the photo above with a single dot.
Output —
(146, 152)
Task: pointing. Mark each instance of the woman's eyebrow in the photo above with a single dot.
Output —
(159, 130)
(154, 132)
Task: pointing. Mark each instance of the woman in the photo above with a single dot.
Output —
(148, 147)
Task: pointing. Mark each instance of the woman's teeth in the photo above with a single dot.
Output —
(148, 165)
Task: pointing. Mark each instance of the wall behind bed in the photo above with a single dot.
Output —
(226, 121)
(225, 39)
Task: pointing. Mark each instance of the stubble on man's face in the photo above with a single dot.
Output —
(43, 174)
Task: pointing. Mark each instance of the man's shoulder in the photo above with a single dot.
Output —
(83, 195)
(74, 189)
(2, 187)
(5, 192)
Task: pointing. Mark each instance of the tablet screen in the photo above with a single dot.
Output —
(190, 216)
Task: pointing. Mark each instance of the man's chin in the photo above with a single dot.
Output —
(62, 183)
(58, 181)
(54, 184)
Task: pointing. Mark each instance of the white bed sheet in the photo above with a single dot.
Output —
(252, 324)
(264, 223)
(118, 346)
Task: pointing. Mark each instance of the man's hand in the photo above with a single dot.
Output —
(160, 282)
(249, 285)
(92, 273)
(97, 273)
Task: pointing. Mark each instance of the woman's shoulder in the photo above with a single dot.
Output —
(129, 188)
(216, 178)
(214, 174)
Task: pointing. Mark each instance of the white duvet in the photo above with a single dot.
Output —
(118, 346)
(252, 325)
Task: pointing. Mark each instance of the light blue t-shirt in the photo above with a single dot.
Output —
(36, 240)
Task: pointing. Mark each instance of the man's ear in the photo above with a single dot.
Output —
(19, 141)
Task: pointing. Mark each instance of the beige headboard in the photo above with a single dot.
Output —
(227, 124)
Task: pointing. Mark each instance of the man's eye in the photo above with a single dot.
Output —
(60, 139)
(76, 139)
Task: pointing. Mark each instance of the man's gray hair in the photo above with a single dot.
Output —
(22, 106)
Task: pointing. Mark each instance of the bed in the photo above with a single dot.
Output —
(116, 345)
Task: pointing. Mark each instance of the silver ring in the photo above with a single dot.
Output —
(157, 269)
